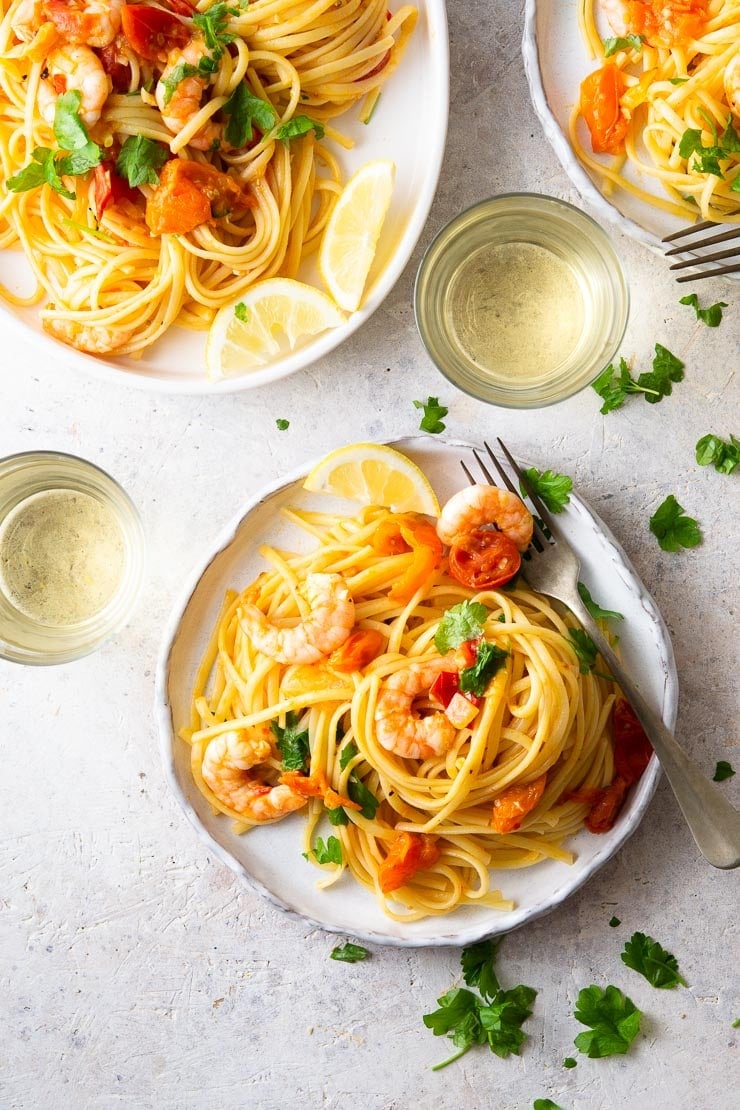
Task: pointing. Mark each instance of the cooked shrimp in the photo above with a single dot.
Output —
(615, 15)
(74, 67)
(329, 623)
(732, 86)
(92, 338)
(477, 505)
(227, 770)
(79, 22)
(399, 729)
(180, 104)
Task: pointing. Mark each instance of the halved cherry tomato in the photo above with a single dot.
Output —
(666, 22)
(483, 559)
(316, 786)
(109, 188)
(600, 93)
(514, 803)
(407, 854)
(605, 803)
(151, 32)
(359, 649)
(632, 749)
(402, 532)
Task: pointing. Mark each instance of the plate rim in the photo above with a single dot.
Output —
(128, 376)
(516, 918)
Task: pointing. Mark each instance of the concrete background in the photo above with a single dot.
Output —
(135, 971)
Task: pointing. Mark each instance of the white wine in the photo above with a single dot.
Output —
(62, 556)
(516, 310)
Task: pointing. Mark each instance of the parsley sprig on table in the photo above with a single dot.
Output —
(493, 1017)
(717, 452)
(431, 421)
(711, 316)
(349, 953)
(614, 386)
(722, 771)
(613, 1018)
(673, 528)
(646, 956)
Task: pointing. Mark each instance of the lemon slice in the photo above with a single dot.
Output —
(374, 475)
(352, 232)
(269, 320)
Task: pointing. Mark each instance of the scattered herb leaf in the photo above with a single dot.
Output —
(545, 1104)
(139, 159)
(282, 425)
(658, 383)
(360, 794)
(292, 744)
(594, 608)
(489, 659)
(243, 109)
(614, 921)
(347, 754)
(552, 488)
(629, 42)
(569, 1062)
(614, 1020)
(585, 649)
(722, 771)
(460, 623)
(672, 527)
(711, 316)
(431, 421)
(477, 967)
(329, 852)
(297, 126)
(722, 455)
(646, 956)
(349, 953)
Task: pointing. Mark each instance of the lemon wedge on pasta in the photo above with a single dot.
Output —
(374, 474)
(267, 321)
(352, 232)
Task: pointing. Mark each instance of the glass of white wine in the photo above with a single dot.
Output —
(521, 300)
(71, 557)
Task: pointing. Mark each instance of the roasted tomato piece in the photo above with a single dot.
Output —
(484, 559)
(408, 853)
(514, 803)
(151, 32)
(632, 749)
(109, 188)
(600, 93)
(359, 649)
(190, 194)
(402, 532)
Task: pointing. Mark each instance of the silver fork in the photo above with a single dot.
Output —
(553, 569)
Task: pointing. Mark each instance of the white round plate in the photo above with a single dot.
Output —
(555, 62)
(269, 858)
(408, 126)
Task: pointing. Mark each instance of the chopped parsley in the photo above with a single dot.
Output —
(569, 1062)
(553, 489)
(545, 1104)
(77, 153)
(646, 956)
(297, 126)
(489, 659)
(594, 608)
(613, 386)
(243, 109)
(614, 921)
(723, 455)
(241, 312)
(628, 42)
(292, 744)
(672, 527)
(329, 852)
(431, 421)
(707, 159)
(460, 623)
(139, 160)
(282, 425)
(347, 754)
(586, 651)
(722, 771)
(349, 953)
(613, 1018)
(364, 798)
(711, 316)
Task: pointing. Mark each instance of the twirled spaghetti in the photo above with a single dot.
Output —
(239, 95)
(535, 748)
(665, 103)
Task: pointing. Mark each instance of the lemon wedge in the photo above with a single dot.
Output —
(352, 232)
(269, 320)
(374, 475)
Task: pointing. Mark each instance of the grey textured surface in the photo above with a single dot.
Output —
(135, 971)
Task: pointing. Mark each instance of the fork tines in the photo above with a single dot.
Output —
(701, 244)
(539, 535)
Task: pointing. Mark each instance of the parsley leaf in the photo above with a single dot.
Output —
(139, 160)
(460, 623)
(502, 1019)
(457, 1016)
(711, 316)
(349, 953)
(657, 383)
(629, 42)
(722, 771)
(614, 1021)
(347, 754)
(243, 109)
(331, 852)
(706, 159)
(545, 1104)
(48, 166)
(614, 921)
(241, 312)
(489, 659)
(585, 649)
(292, 744)
(364, 798)
(212, 25)
(39, 171)
(594, 608)
(672, 527)
(645, 955)
(477, 967)
(297, 126)
(553, 489)
(282, 425)
(569, 1062)
(431, 421)
(613, 386)
(725, 456)
(178, 74)
(337, 816)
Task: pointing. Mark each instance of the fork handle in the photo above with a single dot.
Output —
(714, 823)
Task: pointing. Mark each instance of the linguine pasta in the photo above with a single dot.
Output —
(105, 282)
(676, 93)
(540, 716)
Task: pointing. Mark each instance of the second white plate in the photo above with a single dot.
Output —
(269, 858)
